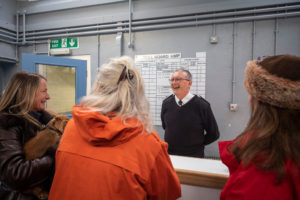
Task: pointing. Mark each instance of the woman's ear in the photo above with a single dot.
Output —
(249, 100)
(252, 101)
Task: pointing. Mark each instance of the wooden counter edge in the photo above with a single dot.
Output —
(204, 179)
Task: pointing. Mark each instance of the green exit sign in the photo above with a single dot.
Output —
(60, 43)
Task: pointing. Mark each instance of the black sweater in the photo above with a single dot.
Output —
(184, 126)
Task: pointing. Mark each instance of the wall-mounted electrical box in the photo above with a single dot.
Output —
(213, 39)
(233, 107)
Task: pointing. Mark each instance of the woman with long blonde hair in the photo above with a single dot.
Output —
(109, 149)
(22, 114)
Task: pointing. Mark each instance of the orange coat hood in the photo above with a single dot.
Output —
(100, 130)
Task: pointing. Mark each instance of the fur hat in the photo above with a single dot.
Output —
(275, 80)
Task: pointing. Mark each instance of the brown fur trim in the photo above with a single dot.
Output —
(271, 89)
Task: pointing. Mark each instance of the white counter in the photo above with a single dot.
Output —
(199, 164)
(200, 178)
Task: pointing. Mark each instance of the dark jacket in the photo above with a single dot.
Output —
(16, 173)
(190, 127)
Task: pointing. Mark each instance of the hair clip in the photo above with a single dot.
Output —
(129, 75)
(122, 76)
(125, 74)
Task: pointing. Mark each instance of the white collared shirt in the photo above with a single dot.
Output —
(185, 99)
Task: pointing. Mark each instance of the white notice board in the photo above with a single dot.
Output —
(156, 70)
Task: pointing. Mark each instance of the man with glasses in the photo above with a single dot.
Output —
(188, 120)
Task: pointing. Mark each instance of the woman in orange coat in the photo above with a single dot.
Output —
(109, 149)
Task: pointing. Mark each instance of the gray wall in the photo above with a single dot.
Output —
(8, 54)
(6, 71)
(7, 27)
(238, 41)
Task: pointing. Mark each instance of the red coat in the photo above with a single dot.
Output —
(250, 183)
(101, 158)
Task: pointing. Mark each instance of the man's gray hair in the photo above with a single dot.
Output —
(187, 72)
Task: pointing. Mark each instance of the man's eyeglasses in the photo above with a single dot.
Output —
(178, 79)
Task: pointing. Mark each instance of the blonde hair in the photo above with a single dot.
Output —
(18, 96)
(119, 88)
